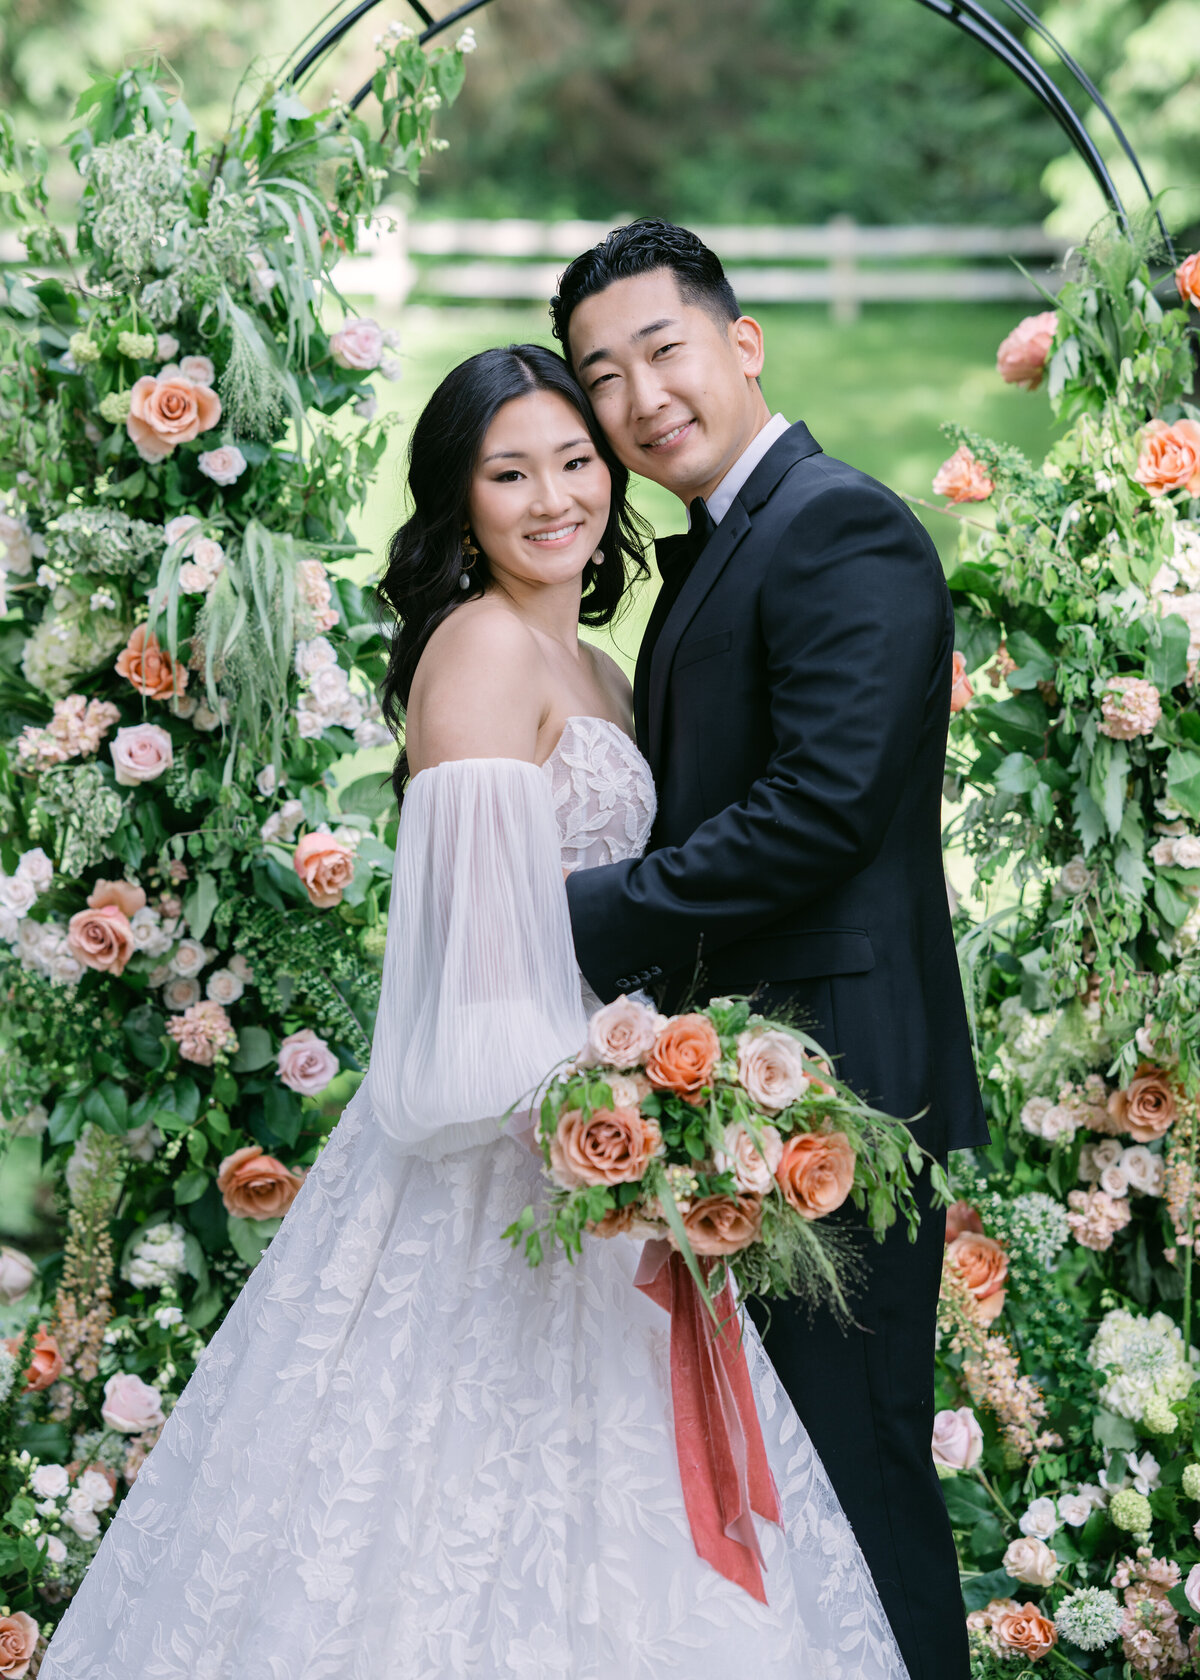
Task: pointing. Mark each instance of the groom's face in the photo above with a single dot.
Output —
(674, 389)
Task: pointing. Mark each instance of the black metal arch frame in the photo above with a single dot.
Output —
(970, 16)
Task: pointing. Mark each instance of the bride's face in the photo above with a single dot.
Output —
(540, 494)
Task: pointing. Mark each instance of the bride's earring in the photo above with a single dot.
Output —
(468, 553)
(598, 557)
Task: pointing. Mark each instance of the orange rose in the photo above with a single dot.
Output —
(962, 478)
(723, 1224)
(325, 866)
(983, 1267)
(609, 1146)
(684, 1055)
(150, 668)
(816, 1172)
(128, 897)
(1187, 278)
(960, 684)
(1146, 1108)
(256, 1186)
(101, 938)
(45, 1363)
(1023, 1628)
(166, 409)
(18, 1641)
(1170, 457)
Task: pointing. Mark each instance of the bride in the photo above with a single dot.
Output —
(405, 1455)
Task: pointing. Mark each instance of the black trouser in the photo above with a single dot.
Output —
(865, 1395)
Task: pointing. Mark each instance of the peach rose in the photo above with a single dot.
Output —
(962, 478)
(358, 345)
(1146, 1108)
(1170, 457)
(130, 1405)
(128, 897)
(957, 1439)
(816, 1172)
(306, 1063)
(1187, 278)
(983, 1266)
(101, 938)
(141, 753)
(256, 1186)
(684, 1056)
(166, 409)
(960, 684)
(723, 1224)
(609, 1146)
(150, 668)
(325, 866)
(1021, 359)
(1024, 1629)
(960, 1217)
(45, 1361)
(622, 1034)
(771, 1067)
(18, 1641)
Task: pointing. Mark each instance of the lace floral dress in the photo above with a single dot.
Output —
(405, 1455)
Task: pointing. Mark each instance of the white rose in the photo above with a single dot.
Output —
(36, 867)
(142, 1141)
(189, 958)
(372, 733)
(367, 406)
(198, 369)
(224, 465)
(329, 686)
(167, 347)
(309, 724)
(164, 1317)
(1074, 1509)
(1144, 1171)
(1187, 851)
(180, 993)
(1162, 853)
(1058, 1122)
(159, 975)
(1113, 1181)
(178, 527)
(17, 1272)
(223, 987)
(314, 656)
(1040, 1520)
(50, 1481)
(291, 815)
(265, 780)
(1032, 1561)
(10, 925)
(753, 1168)
(65, 969)
(85, 1523)
(18, 894)
(53, 1547)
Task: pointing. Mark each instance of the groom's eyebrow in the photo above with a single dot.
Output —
(635, 338)
(520, 454)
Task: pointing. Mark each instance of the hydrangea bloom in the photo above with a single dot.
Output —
(1141, 1358)
(1090, 1618)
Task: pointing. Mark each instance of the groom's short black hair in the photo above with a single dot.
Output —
(640, 248)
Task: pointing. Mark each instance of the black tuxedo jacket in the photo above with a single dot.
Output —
(792, 698)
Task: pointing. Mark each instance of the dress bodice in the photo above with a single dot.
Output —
(603, 793)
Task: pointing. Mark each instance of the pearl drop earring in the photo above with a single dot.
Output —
(598, 557)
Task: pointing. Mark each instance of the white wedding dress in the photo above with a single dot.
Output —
(406, 1455)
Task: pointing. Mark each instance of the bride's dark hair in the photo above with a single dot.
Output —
(422, 583)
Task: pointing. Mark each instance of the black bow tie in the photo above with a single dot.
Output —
(677, 555)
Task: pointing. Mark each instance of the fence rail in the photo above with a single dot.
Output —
(840, 263)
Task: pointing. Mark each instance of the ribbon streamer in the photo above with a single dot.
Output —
(718, 1438)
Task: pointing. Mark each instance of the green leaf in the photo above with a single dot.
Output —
(1178, 1600)
(1116, 1433)
(107, 1106)
(1017, 774)
(967, 1500)
(251, 1236)
(66, 1120)
(144, 1028)
(190, 1187)
(1018, 724)
(255, 1050)
(1170, 904)
(980, 1590)
(283, 1112)
(369, 795)
(1183, 780)
(1168, 661)
(199, 905)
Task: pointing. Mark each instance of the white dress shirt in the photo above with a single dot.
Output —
(721, 500)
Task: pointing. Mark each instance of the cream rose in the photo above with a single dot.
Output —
(1191, 1587)
(771, 1068)
(190, 957)
(1040, 1521)
(752, 1160)
(1032, 1561)
(224, 987)
(1144, 1172)
(141, 753)
(622, 1034)
(306, 1063)
(957, 1439)
(358, 345)
(198, 369)
(51, 1481)
(130, 1405)
(17, 1272)
(180, 993)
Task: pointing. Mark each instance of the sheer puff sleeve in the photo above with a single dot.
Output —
(481, 988)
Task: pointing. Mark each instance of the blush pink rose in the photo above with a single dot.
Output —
(326, 867)
(957, 1439)
(130, 1405)
(960, 684)
(101, 939)
(256, 1186)
(224, 466)
(1170, 458)
(1187, 278)
(198, 369)
(18, 1642)
(306, 1063)
(141, 753)
(358, 345)
(751, 1160)
(128, 897)
(1021, 358)
(962, 478)
(166, 409)
(771, 1068)
(622, 1034)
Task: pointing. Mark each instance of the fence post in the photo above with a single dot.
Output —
(843, 273)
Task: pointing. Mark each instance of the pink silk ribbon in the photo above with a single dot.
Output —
(718, 1438)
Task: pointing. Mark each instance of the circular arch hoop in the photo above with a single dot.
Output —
(970, 16)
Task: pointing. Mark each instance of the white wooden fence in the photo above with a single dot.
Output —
(840, 263)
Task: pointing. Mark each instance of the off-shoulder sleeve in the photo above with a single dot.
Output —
(481, 987)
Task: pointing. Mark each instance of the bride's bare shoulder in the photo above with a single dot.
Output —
(479, 690)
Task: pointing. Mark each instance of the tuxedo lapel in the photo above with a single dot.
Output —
(668, 554)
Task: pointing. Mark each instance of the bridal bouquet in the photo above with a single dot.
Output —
(725, 1133)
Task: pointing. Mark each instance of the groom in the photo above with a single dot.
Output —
(792, 697)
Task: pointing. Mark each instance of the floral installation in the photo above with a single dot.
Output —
(725, 1134)
(1068, 1428)
(192, 908)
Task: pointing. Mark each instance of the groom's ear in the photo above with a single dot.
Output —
(746, 338)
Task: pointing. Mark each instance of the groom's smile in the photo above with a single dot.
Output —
(674, 388)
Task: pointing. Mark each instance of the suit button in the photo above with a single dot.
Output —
(624, 984)
(654, 974)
